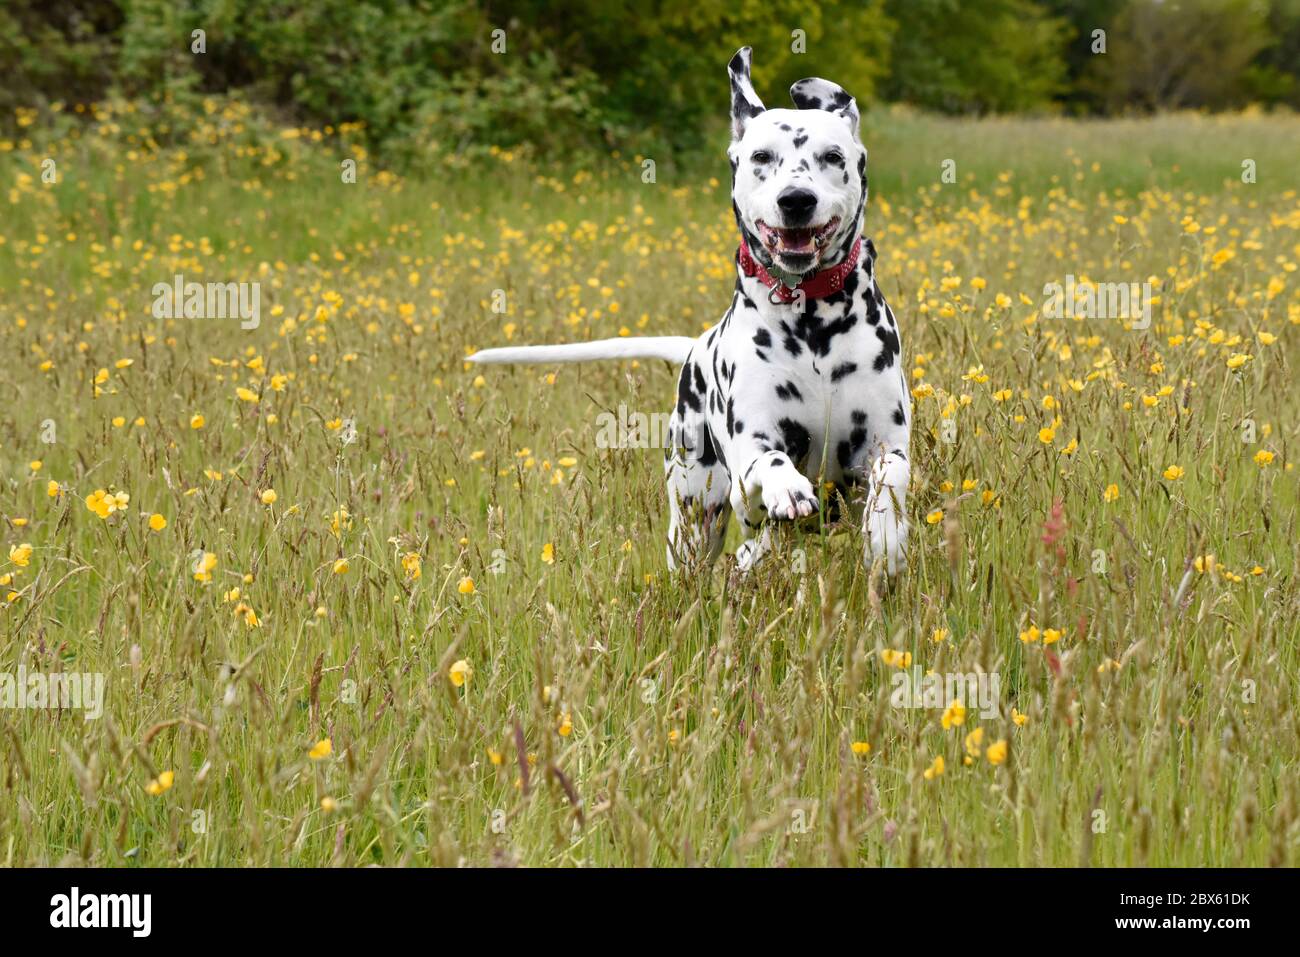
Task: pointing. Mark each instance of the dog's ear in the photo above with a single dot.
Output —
(745, 104)
(815, 93)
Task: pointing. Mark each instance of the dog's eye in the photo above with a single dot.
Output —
(760, 156)
(834, 156)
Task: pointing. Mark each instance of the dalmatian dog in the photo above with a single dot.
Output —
(799, 388)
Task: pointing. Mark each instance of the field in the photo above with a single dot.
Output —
(357, 602)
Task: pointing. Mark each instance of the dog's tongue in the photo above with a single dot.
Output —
(796, 239)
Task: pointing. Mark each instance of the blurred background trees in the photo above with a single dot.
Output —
(422, 77)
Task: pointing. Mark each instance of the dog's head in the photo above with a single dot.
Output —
(799, 177)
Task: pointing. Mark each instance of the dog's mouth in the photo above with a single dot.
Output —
(799, 243)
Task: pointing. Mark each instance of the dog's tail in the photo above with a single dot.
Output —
(674, 349)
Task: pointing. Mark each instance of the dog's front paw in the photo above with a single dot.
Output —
(886, 535)
(789, 495)
(751, 551)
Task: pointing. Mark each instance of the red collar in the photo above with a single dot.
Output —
(818, 286)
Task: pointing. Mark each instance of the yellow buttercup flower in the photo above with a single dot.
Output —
(341, 566)
(460, 673)
(935, 769)
(321, 750)
(104, 503)
(1174, 473)
(860, 748)
(411, 565)
(997, 751)
(1238, 359)
(157, 522)
(954, 715)
(245, 611)
(268, 496)
(548, 554)
(204, 566)
(161, 783)
(466, 586)
(896, 659)
(20, 555)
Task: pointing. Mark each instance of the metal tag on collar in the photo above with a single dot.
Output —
(776, 295)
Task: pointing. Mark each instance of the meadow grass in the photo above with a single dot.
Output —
(454, 639)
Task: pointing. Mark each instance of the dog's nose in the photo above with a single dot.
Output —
(797, 204)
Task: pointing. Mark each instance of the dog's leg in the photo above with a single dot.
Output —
(768, 487)
(754, 548)
(884, 519)
(698, 487)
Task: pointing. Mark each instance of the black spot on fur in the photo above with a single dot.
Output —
(795, 439)
(843, 369)
(888, 349)
(848, 448)
(709, 453)
(686, 396)
(788, 391)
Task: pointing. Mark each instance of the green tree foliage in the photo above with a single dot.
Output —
(1169, 54)
(987, 56)
(422, 77)
(1084, 17)
(1273, 78)
(54, 50)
